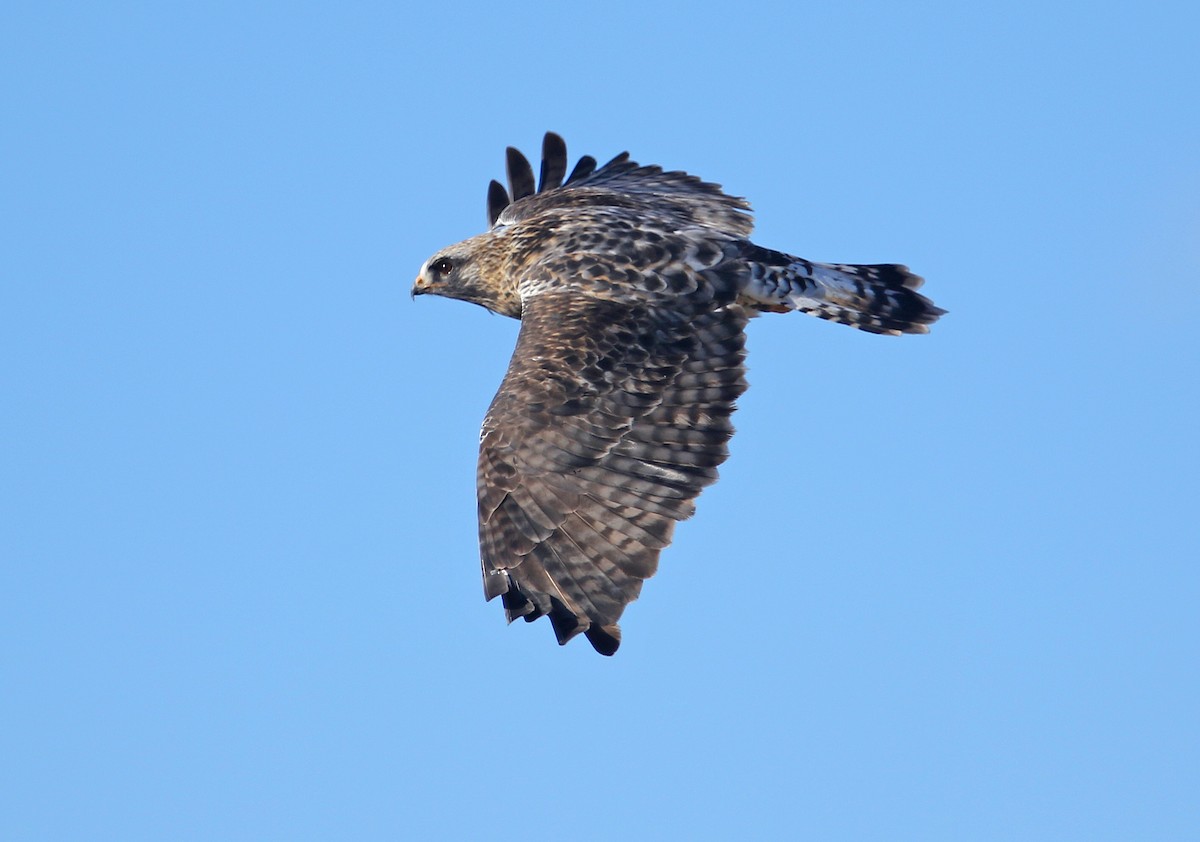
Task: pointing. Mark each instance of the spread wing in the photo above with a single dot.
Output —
(685, 199)
(610, 421)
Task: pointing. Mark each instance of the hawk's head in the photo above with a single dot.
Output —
(462, 271)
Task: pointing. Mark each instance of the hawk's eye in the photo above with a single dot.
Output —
(442, 266)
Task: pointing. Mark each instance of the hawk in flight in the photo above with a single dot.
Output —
(633, 287)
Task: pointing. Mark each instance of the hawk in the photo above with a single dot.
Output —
(633, 287)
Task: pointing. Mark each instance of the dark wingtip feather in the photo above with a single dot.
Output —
(585, 167)
(554, 162)
(497, 201)
(516, 604)
(494, 584)
(604, 639)
(520, 175)
(564, 622)
(619, 159)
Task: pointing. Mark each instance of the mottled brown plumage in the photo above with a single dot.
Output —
(633, 286)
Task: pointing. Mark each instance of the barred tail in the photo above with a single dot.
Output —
(879, 298)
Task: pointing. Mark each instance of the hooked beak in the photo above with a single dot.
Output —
(419, 287)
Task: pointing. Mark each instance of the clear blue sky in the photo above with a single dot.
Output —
(946, 589)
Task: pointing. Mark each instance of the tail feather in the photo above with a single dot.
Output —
(878, 298)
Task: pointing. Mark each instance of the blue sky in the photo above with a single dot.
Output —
(947, 587)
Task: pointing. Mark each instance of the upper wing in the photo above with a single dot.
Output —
(621, 182)
(611, 419)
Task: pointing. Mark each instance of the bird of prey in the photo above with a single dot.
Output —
(633, 286)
